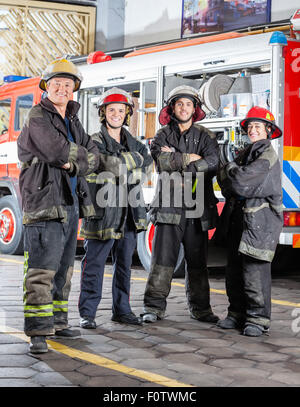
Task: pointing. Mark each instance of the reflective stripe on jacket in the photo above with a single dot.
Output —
(110, 218)
(198, 140)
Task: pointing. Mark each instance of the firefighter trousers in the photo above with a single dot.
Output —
(248, 280)
(49, 253)
(92, 272)
(166, 245)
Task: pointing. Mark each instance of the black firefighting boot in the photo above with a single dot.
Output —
(230, 322)
(254, 330)
(68, 333)
(38, 344)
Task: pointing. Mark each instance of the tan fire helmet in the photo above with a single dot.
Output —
(61, 68)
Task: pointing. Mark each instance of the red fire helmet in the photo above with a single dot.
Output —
(116, 95)
(261, 114)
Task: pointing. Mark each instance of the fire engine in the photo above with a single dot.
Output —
(233, 72)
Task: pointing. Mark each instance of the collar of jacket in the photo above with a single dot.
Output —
(175, 135)
(72, 107)
(112, 146)
(256, 149)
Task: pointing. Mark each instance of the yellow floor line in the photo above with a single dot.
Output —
(110, 364)
(11, 261)
(213, 290)
(100, 361)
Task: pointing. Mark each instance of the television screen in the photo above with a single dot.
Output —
(213, 16)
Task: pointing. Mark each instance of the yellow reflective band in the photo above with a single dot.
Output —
(26, 257)
(126, 161)
(195, 185)
(38, 307)
(36, 310)
(132, 160)
(58, 306)
(92, 178)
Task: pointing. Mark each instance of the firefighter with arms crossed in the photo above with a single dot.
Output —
(180, 147)
(116, 223)
(252, 217)
(56, 154)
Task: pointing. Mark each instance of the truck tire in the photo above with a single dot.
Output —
(144, 249)
(11, 227)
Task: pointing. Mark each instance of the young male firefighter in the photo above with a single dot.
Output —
(118, 219)
(55, 153)
(252, 187)
(182, 147)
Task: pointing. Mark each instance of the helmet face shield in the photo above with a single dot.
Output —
(61, 68)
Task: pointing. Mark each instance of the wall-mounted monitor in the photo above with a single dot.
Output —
(214, 16)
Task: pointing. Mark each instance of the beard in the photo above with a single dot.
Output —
(183, 121)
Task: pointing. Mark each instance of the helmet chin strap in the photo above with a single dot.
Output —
(113, 127)
(269, 130)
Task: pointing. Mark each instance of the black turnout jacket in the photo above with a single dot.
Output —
(198, 140)
(255, 177)
(43, 147)
(114, 193)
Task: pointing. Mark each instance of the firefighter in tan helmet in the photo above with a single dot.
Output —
(253, 211)
(61, 68)
(56, 154)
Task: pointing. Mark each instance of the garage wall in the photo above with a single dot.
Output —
(283, 9)
(110, 21)
(130, 23)
(151, 21)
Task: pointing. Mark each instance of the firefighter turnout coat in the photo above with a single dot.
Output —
(198, 140)
(111, 213)
(43, 147)
(255, 176)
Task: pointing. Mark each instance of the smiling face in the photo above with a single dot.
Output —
(60, 90)
(115, 114)
(256, 131)
(184, 109)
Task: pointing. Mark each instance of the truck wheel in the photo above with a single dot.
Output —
(144, 248)
(11, 227)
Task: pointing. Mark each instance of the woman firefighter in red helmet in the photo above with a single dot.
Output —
(251, 185)
(114, 228)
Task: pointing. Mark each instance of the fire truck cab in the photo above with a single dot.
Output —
(17, 96)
